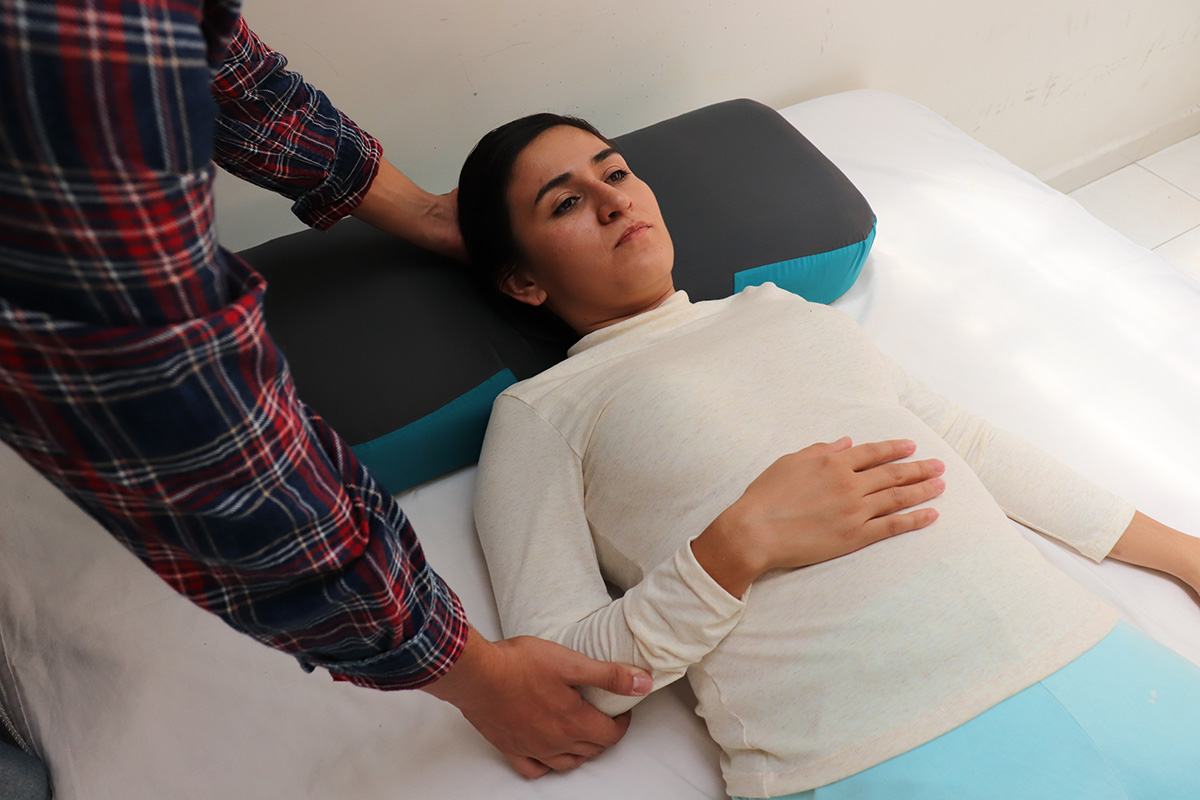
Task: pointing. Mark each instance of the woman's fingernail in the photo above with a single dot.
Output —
(642, 683)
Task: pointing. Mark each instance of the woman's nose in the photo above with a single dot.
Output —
(613, 203)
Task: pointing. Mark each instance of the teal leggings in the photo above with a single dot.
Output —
(1121, 722)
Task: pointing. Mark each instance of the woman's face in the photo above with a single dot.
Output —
(592, 243)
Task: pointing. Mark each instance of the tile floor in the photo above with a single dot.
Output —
(1155, 202)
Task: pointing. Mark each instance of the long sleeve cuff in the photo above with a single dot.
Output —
(278, 131)
(354, 167)
(690, 613)
(677, 615)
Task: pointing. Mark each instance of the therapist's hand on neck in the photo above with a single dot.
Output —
(521, 695)
(396, 205)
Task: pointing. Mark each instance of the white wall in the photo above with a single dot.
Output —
(1068, 89)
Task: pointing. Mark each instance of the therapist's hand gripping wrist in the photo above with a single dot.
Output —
(520, 694)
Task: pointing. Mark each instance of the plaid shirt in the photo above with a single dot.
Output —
(135, 370)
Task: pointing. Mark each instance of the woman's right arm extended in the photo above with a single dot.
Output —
(819, 503)
(529, 511)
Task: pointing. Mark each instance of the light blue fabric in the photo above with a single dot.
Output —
(1121, 722)
(436, 443)
(819, 278)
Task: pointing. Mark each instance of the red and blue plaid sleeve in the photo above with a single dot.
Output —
(285, 135)
(135, 369)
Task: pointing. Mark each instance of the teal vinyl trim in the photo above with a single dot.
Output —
(437, 443)
(819, 278)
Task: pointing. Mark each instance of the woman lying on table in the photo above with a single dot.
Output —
(952, 661)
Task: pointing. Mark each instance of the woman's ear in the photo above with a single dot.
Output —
(519, 285)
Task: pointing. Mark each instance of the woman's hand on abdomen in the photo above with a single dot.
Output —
(817, 504)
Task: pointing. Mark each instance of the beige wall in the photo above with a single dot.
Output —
(1067, 89)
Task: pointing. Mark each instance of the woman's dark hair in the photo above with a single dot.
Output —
(483, 184)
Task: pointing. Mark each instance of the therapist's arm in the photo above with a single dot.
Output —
(398, 206)
(281, 133)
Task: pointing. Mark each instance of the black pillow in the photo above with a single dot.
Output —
(403, 354)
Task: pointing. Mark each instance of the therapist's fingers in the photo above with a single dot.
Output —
(565, 762)
(527, 767)
(615, 729)
(622, 721)
(621, 679)
(578, 754)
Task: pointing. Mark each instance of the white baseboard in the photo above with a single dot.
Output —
(1086, 169)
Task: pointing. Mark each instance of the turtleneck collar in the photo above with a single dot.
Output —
(664, 317)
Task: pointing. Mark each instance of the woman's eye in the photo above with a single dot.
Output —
(565, 206)
(618, 175)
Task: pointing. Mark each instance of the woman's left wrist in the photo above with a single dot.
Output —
(1189, 571)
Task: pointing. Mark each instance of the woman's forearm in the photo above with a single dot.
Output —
(1149, 543)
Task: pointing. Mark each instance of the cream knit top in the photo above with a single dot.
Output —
(604, 467)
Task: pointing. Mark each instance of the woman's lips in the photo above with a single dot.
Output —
(634, 229)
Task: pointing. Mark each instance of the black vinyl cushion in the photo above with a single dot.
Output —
(403, 354)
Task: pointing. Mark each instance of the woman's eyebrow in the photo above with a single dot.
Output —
(603, 154)
(559, 180)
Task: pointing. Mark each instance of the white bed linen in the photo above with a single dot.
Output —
(994, 289)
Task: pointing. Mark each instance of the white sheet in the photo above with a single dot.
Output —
(994, 289)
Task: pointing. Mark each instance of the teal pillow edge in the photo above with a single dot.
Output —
(819, 278)
(438, 442)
